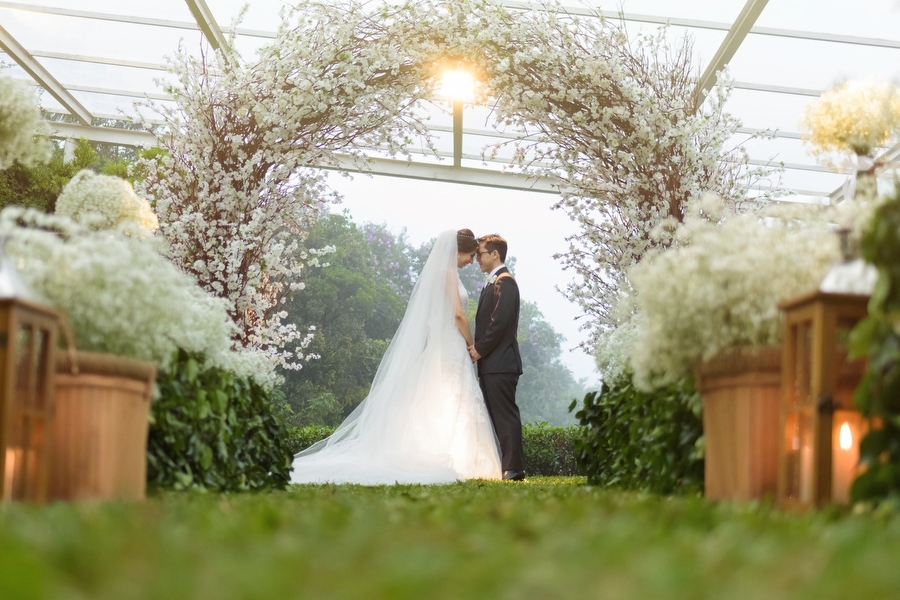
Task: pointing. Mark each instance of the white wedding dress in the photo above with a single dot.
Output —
(424, 420)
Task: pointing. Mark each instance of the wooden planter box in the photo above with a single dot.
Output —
(741, 392)
(99, 434)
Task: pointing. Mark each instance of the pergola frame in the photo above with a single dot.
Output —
(205, 22)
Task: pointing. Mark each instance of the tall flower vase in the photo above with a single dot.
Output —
(741, 391)
(866, 182)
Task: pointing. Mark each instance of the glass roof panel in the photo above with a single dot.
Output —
(175, 10)
(810, 64)
(780, 149)
(73, 73)
(42, 32)
(720, 11)
(872, 18)
(765, 110)
(260, 15)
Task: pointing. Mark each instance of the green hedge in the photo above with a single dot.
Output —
(549, 450)
(877, 338)
(300, 438)
(212, 430)
(642, 440)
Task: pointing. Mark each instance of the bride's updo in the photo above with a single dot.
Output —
(465, 241)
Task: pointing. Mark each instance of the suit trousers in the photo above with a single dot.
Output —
(499, 390)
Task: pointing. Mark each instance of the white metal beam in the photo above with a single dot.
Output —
(816, 36)
(384, 166)
(796, 191)
(889, 157)
(208, 25)
(43, 77)
(112, 62)
(130, 19)
(448, 174)
(733, 40)
(377, 166)
(105, 135)
(791, 135)
(776, 89)
(114, 92)
(714, 25)
(793, 166)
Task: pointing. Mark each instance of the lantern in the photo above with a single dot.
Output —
(27, 367)
(820, 428)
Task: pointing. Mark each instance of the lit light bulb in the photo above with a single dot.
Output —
(845, 438)
(458, 84)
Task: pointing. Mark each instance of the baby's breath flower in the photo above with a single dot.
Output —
(104, 202)
(720, 289)
(855, 117)
(22, 131)
(121, 296)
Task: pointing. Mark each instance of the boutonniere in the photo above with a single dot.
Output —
(491, 280)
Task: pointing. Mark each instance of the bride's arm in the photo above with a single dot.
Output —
(462, 322)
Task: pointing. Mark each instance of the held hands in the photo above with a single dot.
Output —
(474, 353)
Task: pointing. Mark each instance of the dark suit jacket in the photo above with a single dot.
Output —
(496, 325)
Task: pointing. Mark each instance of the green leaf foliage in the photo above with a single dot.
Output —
(877, 338)
(550, 450)
(642, 440)
(212, 430)
(39, 186)
(301, 438)
(355, 306)
(547, 385)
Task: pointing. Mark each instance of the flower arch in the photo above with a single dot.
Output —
(613, 117)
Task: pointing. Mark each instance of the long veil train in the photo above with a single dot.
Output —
(424, 420)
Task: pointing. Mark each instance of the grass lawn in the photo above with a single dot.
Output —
(547, 538)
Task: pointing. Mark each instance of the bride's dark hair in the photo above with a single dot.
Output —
(465, 241)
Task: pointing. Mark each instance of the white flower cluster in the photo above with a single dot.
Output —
(121, 296)
(22, 131)
(721, 286)
(104, 202)
(855, 117)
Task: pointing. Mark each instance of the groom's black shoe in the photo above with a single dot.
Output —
(513, 475)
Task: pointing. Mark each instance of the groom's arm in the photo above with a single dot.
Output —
(506, 296)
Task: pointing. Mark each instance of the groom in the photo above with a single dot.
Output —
(497, 353)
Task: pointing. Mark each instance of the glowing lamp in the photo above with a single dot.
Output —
(821, 430)
(28, 334)
(458, 85)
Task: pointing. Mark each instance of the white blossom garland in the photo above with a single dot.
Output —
(614, 119)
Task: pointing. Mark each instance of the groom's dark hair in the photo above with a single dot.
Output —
(494, 242)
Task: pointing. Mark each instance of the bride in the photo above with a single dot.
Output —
(424, 420)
